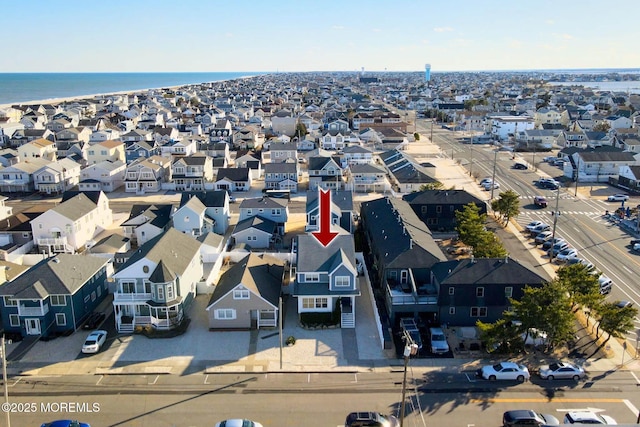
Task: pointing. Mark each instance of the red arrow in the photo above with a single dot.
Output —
(325, 235)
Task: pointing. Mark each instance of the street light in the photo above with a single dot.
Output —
(493, 178)
(555, 221)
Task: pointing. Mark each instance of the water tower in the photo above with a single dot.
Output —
(427, 72)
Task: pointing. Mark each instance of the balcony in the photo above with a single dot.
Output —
(125, 297)
(33, 311)
(407, 294)
(52, 241)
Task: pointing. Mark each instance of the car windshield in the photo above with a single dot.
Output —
(498, 367)
(554, 367)
(438, 337)
(90, 341)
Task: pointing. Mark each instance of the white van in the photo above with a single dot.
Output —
(438, 341)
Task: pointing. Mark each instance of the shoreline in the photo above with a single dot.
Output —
(53, 101)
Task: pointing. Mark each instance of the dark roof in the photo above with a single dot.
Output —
(441, 197)
(258, 223)
(398, 235)
(261, 274)
(159, 215)
(486, 271)
(215, 198)
(607, 156)
(233, 174)
(94, 196)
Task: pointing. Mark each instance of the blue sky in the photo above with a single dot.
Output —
(309, 35)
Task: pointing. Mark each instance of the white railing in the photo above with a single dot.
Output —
(130, 296)
(52, 241)
(33, 311)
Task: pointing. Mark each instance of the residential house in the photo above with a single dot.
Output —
(68, 226)
(537, 139)
(248, 138)
(57, 177)
(502, 127)
(55, 296)
(284, 123)
(222, 131)
(438, 208)
(357, 155)
(157, 285)
(281, 176)
(38, 149)
(333, 140)
(273, 209)
(147, 175)
(192, 172)
(18, 178)
(16, 237)
(326, 279)
(598, 165)
(256, 233)
(141, 149)
(233, 179)
(109, 150)
(307, 143)
(283, 151)
(480, 289)
(402, 253)
(216, 204)
(342, 214)
(8, 157)
(325, 173)
(104, 176)
(191, 218)
(145, 222)
(178, 148)
(247, 295)
(22, 136)
(365, 178)
(251, 161)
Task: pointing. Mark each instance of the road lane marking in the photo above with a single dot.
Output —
(206, 379)
(632, 408)
(100, 379)
(634, 376)
(543, 400)
(154, 381)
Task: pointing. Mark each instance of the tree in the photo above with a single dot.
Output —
(301, 130)
(616, 321)
(416, 136)
(508, 205)
(546, 309)
(489, 246)
(581, 285)
(601, 127)
(502, 336)
(436, 185)
(470, 224)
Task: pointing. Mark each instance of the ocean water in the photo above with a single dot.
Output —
(630, 86)
(25, 87)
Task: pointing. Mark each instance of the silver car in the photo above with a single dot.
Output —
(561, 370)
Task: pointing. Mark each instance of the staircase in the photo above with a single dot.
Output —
(347, 320)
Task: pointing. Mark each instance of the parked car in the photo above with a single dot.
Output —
(65, 423)
(605, 284)
(370, 419)
(94, 341)
(438, 341)
(549, 183)
(540, 201)
(587, 417)
(520, 166)
(539, 229)
(543, 237)
(504, 371)
(547, 245)
(486, 181)
(533, 224)
(94, 320)
(238, 422)
(566, 254)
(487, 186)
(561, 370)
(549, 159)
(636, 247)
(623, 304)
(557, 248)
(527, 418)
(618, 198)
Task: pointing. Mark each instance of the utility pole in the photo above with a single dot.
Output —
(577, 176)
(410, 349)
(280, 327)
(493, 178)
(471, 161)
(555, 221)
(5, 380)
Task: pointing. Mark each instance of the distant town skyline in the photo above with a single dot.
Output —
(309, 35)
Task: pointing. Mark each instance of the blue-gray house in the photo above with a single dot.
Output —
(54, 296)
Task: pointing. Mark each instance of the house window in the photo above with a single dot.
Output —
(87, 298)
(61, 319)
(312, 277)
(10, 302)
(479, 292)
(93, 296)
(322, 303)
(423, 209)
(14, 320)
(478, 311)
(225, 314)
(128, 287)
(241, 294)
(508, 291)
(452, 290)
(308, 303)
(160, 293)
(452, 310)
(342, 281)
(438, 209)
(169, 292)
(58, 300)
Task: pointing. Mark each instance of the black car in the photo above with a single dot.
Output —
(526, 417)
(94, 320)
(370, 419)
(520, 166)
